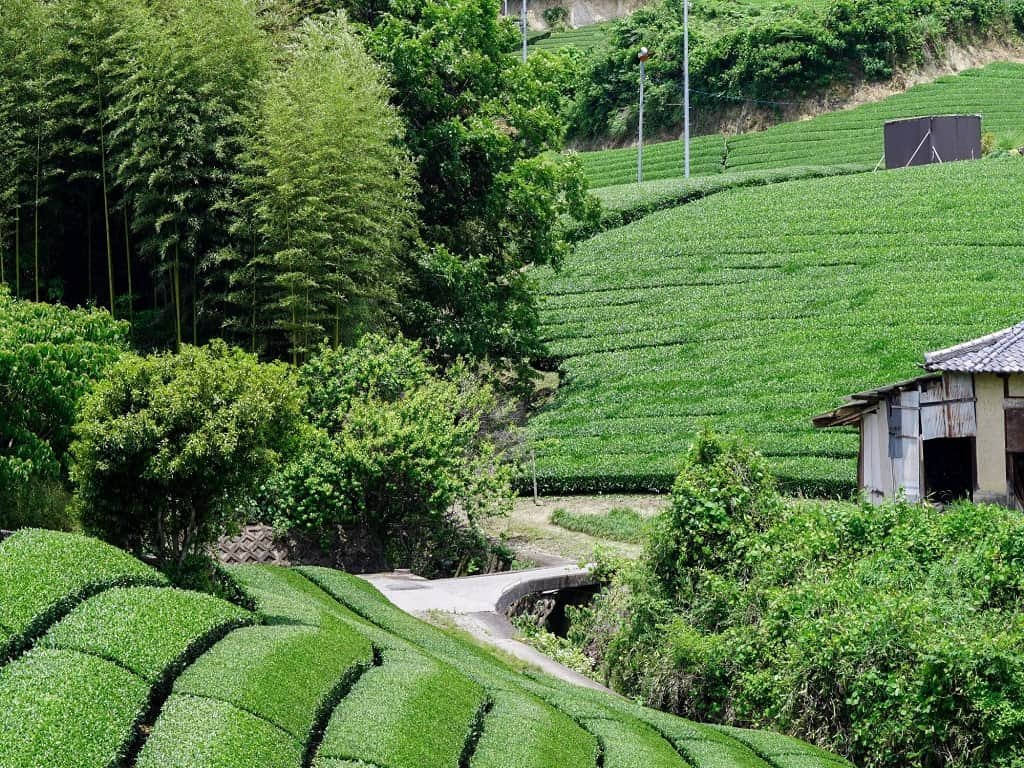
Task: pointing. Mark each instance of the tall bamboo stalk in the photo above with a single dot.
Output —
(176, 285)
(35, 223)
(128, 263)
(17, 249)
(106, 202)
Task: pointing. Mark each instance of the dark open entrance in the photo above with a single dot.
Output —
(949, 468)
(1017, 478)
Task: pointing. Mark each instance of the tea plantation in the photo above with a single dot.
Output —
(996, 92)
(755, 309)
(583, 38)
(109, 667)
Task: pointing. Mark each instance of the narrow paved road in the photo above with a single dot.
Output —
(476, 604)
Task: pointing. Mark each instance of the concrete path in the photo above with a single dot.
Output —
(477, 605)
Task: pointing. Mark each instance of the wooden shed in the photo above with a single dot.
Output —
(957, 431)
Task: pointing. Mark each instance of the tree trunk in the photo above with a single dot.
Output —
(35, 238)
(176, 281)
(106, 202)
(128, 264)
(17, 250)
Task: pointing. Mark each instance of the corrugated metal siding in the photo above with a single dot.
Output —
(948, 407)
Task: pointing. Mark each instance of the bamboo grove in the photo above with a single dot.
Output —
(175, 163)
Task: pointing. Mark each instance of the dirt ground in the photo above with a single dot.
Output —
(529, 530)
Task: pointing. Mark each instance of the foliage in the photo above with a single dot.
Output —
(67, 710)
(285, 674)
(551, 645)
(426, 726)
(49, 358)
(168, 447)
(556, 16)
(761, 308)
(618, 524)
(479, 125)
(722, 496)
(898, 627)
(767, 51)
(44, 574)
(150, 631)
(397, 451)
(197, 731)
(330, 196)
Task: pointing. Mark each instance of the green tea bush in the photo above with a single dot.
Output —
(287, 675)
(152, 631)
(45, 574)
(50, 356)
(195, 731)
(62, 709)
(890, 634)
(423, 722)
(398, 458)
(169, 447)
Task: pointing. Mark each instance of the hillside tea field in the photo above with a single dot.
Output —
(756, 309)
(585, 38)
(327, 674)
(996, 92)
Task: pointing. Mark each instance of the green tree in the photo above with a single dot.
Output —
(183, 118)
(331, 193)
(169, 448)
(477, 122)
(398, 456)
(49, 358)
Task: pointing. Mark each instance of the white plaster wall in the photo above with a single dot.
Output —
(991, 440)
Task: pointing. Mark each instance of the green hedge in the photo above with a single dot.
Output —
(285, 596)
(202, 733)
(152, 631)
(411, 712)
(627, 745)
(62, 709)
(783, 751)
(289, 675)
(44, 574)
(523, 732)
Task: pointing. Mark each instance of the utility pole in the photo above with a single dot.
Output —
(523, 24)
(644, 56)
(686, 89)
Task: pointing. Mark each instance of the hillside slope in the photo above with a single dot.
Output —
(996, 92)
(328, 674)
(755, 309)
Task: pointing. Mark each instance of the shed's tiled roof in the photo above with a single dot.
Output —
(1000, 352)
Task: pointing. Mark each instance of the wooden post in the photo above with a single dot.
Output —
(536, 496)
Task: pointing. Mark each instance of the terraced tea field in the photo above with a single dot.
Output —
(755, 309)
(996, 92)
(585, 38)
(109, 667)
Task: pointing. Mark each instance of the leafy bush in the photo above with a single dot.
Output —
(424, 722)
(284, 674)
(889, 634)
(169, 447)
(49, 358)
(556, 16)
(195, 731)
(152, 631)
(398, 456)
(63, 709)
(44, 574)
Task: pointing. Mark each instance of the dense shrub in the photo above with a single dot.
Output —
(889, 634)
(169, 447)
(49, 357)
(397, 459)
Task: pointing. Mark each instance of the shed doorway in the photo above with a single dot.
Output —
(1017, 478)
(949, 469)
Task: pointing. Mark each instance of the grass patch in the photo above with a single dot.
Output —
(283, 674)
(62, 709)
(44, 574)
(193, 732)
(149, 630)
(409, 713)
(619, 524)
